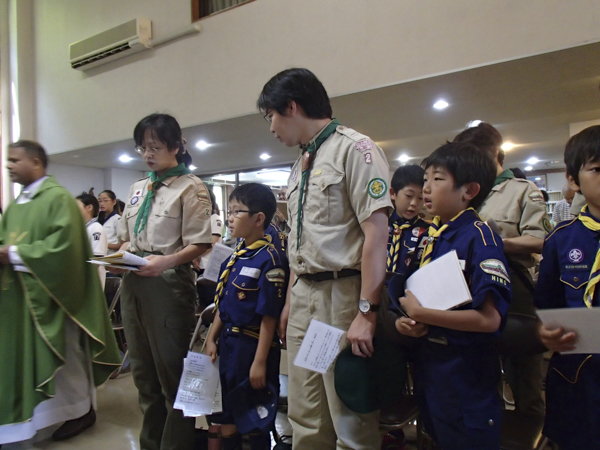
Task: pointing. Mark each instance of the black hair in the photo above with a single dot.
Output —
(300, 86)
(120, 207)
(467, 164)
(213, 199)
(406, 175)
(88, 199)
(258, 198)
(33, 150)
(518, 173)
(581, 149)
(485, 137)
(545, 195)
(166, 129)
(110, 194)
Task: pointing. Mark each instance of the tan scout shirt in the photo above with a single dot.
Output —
(348, 181)
(518, 207)
(179, 216)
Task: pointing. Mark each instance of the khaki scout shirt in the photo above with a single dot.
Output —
(179, 216)
(518, 207)
(348, 181)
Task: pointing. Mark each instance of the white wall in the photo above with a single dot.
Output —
(555, 181)
(352, 45)
(120, 180)
(78, 179)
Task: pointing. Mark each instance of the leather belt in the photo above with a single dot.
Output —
(325, 276)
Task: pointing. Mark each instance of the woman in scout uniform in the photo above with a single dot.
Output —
(167, 221)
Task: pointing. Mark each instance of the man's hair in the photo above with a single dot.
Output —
(88, 199)
(166, 129)
(300, 86)
(467, 164)
(581, 149)
(485, 137)
(33, 150)
(406, 175)
(258, 198)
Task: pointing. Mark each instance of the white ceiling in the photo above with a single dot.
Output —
(531, 101)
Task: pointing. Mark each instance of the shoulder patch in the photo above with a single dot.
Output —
(203, 196)
(547, 225)
(536, 196)
(495, 267)
(363, 145)
(377, 187)
(276, 275)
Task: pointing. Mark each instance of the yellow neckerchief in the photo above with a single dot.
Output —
(394, 254)
(590, 223)
(434, 233)
(239, 251)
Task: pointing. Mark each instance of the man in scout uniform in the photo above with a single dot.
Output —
(57, 341)
(518, 207)
(338, 207)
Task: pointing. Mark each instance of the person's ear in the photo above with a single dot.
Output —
(471, 191)
(260, 219)
(574, 186)
(392, 194)
(292, 108)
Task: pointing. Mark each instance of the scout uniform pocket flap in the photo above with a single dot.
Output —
(245, 283)
(574, 279)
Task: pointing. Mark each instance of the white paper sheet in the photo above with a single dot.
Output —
(584, 321)
(198, 384)
(320, 347)
(440, 284)
(218, 254)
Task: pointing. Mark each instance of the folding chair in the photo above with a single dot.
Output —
(112, 291)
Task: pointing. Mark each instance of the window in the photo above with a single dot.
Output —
(203, 8)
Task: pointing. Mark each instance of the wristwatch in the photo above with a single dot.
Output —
(365, 306)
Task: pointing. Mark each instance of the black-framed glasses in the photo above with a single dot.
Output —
(268, 117)
(236, 212)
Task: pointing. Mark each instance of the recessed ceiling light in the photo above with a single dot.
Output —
(509, 146)
(265, 156)
(202, 145)
(125, 158)
(474, 123)
(528, 168)
(533, 160)
(192, 167)
(440, 104)
(404, 158)
(538, 178)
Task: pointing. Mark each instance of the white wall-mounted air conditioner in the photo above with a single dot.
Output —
(120, 41)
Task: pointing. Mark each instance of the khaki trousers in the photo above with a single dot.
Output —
(319, 419)
(158, 316)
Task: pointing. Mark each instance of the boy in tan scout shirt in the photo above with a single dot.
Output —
(338, 207)
(518, 207)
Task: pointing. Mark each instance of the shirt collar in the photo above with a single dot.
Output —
(29, 191)
(91, 221)
(463, 220)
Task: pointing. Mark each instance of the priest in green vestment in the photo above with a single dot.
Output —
(53, 314)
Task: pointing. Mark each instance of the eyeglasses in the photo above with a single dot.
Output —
(268, 117)
(150, 151)
(236, 212)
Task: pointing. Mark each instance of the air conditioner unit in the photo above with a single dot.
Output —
(123, 40)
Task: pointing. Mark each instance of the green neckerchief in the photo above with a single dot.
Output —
(506, 175)
(311, 150)
(155, 183)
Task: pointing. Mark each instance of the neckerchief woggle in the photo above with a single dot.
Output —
(434, 233)
(155, 183)
(308, 155)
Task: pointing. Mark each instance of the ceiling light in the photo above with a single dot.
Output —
(528, 168)
(192, 167)
(509, 146)
(533, 160)
(125, 158)
(403, 158)
(538, 178)
(440, 104)
(275, 175)
(473, 123)
(202, 145)
(265, 156)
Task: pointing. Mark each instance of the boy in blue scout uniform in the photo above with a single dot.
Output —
(407, 231)
(568, 278)
(457, 369)
(250, 296)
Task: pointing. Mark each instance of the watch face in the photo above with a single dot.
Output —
(363, 305)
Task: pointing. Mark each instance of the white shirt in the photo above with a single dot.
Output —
(111, 227)
(99, 244)
(216, 226)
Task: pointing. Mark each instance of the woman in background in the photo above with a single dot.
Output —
(109, 219)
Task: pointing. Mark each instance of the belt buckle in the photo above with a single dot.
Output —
(335, 275)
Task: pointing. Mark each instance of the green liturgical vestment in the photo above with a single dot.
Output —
(50, 237)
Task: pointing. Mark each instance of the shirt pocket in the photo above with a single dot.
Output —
(574, 283)
(508, 221)
(324, 203)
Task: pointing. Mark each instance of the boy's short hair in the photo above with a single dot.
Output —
(88, 199)
(300, 86)
(258, 198)
(582, 148)
(485, 137)
(467, 164)
(406, 175)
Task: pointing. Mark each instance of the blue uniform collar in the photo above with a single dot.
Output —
(396, 219)
(466, 218)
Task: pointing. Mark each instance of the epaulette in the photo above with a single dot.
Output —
(564, 225)
(352, 134)
(487, 235)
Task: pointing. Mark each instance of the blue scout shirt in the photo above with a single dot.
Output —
(458, 371)
(573, 381)
(278, 238)
(411, 238)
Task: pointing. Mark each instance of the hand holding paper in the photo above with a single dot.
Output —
(558, 339)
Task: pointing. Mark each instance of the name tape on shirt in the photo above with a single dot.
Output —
(495, 267)
(250, 272)
(276, 276)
